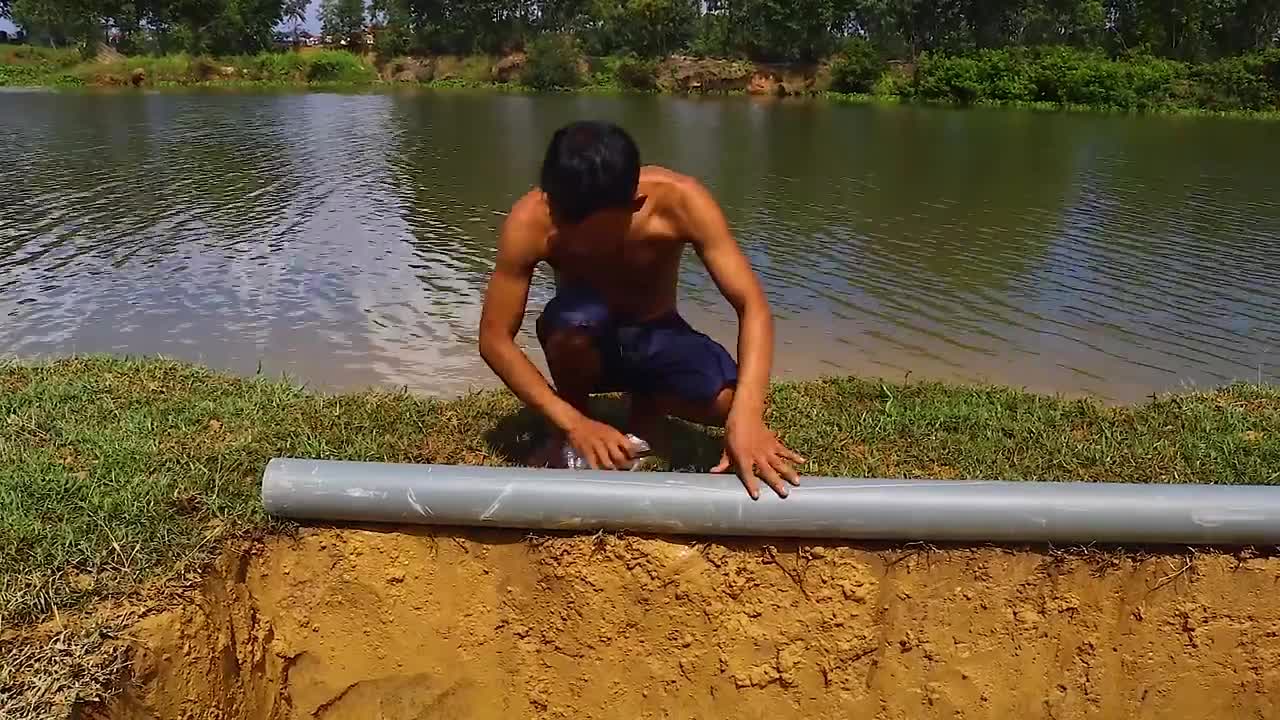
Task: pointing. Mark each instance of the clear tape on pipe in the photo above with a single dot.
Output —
(827, 507)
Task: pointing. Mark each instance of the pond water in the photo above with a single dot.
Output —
(345, 239)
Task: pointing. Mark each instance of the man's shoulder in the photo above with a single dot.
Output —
(530, 208)
(528, 224)
(667, 180)
(530, 215)
(673, 192)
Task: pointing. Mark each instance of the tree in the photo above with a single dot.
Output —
(566, 16)
(786, 30)
(393, 27)
(553, 63)
(644, 27)
(58, 23)
(343, 20)
(926, 25)
(768, 30)
(1078, 23)
(487, 26)
(857, 68)
(230, 27)
(188, 24)
(295, 11)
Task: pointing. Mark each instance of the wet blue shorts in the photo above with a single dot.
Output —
(664, 356)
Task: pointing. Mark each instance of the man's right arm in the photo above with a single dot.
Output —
(504, 304)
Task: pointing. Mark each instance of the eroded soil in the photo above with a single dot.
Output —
(398, 624)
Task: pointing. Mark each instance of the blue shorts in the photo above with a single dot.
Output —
(664, 356)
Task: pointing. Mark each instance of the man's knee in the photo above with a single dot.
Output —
(713, 411)
(721, 404)
(568, 343)
(716, 411)
(572, 356)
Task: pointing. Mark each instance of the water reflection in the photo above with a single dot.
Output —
(345, 239)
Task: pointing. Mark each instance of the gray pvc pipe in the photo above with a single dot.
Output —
(942, 510)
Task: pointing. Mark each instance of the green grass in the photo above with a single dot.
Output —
(32, 55)
(26, 65)
(1047, 107)
(322, 68)
(121, 474)
(114, 472)
(469, 70)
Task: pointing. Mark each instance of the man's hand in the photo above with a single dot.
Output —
(752, 450)
(600, 444)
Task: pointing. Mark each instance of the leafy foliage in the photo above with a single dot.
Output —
(554, 63)
(634, 73)
(857, 68)
(1074, 77)
(1250, 82)
(647, 28)
(343, 19)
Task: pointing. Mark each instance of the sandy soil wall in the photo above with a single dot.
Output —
(379, 624)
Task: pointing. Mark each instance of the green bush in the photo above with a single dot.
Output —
(177, 69)
(1056, 71)
(335, 66)
(1101, 84)
(1052, 75)
(63, 80)
(1269, 62)
(1005, 76)
(277, 67)
(895, 82)
(1155, 82)
(553, 62)
(1250, 82)
(955, 79)
(19, 75)
(22, 65)
(394, 40)
(1135, 83)
(857, 68)
(636, 73)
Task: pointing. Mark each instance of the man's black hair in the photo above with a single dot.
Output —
(589, 166)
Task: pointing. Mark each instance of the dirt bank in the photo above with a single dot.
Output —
(681, 74)
(359, 624)
(674, 74)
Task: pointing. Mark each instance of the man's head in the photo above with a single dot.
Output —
(590, 167)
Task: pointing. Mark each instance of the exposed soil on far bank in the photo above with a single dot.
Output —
(411, 624)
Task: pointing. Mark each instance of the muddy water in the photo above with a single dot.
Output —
(356, 624)
(344, 239)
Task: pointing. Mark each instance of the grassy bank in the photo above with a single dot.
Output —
(114, 472)
(28, 66)
(1062, 77)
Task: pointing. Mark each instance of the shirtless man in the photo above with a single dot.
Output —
(614, 232)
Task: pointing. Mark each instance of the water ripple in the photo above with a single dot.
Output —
(345, 239)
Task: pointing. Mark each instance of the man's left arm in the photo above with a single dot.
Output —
(750, 447)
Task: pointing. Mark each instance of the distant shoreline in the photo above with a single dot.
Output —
(928, 83)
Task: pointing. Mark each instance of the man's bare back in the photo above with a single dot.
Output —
(635, 270)
(614, 233)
